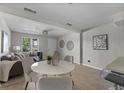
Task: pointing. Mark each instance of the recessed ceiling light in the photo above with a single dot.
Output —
(68, 24)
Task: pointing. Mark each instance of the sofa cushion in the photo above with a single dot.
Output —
(13, 57)
(19, 56)
(6, 58)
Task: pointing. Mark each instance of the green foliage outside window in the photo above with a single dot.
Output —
(26, 44)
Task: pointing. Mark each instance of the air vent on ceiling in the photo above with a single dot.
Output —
(30, 10)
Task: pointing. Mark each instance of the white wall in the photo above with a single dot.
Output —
(4, 27)
(75, 37)
(52, 45)
(17, 37)
(100, 58)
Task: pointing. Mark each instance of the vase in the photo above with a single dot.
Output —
(55, 62)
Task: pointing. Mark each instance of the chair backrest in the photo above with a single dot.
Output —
(69, 58)
(26, 63)
(56, 58)
(55, 83)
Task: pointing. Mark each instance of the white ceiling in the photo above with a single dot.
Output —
(24, 25)
(81, 16)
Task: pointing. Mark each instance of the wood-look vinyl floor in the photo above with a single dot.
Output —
(85, 78)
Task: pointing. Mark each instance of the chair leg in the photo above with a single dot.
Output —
(26, 85)
(72, 82)
(70, 74)
(35, 86)
(0, 84)
(117, 87)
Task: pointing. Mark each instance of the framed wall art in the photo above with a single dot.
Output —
(100, 42)
(70, 45)
(61, 43)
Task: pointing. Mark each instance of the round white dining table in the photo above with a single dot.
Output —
(42, 67)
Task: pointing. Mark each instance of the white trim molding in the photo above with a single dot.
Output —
(92, 67)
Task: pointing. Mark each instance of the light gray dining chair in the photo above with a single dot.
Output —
(55, 83)
(69, 58)
(29, 75)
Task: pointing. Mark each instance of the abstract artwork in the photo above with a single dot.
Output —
(100, 42)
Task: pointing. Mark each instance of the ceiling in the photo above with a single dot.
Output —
(24, 25)
(81, 15)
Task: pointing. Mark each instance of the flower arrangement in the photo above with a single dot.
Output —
(49, 57)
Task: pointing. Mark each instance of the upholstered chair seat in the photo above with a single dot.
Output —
(55, 83)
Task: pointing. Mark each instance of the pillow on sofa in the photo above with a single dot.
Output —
(18, 56)
(22, 55)
(6, 58)
(9, 57)
(13, 56)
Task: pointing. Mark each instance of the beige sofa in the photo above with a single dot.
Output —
(10, 68)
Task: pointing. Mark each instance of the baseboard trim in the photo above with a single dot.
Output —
(92, 67)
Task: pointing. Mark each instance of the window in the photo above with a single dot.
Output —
(29, 44)
(26, 44)
(35, 44)
(0, 42)
(4, 42)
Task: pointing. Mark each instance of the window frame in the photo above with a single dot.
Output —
(31, 43)
(37, 43)
(4, 48)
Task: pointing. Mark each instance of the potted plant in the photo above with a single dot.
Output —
(49, 59)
